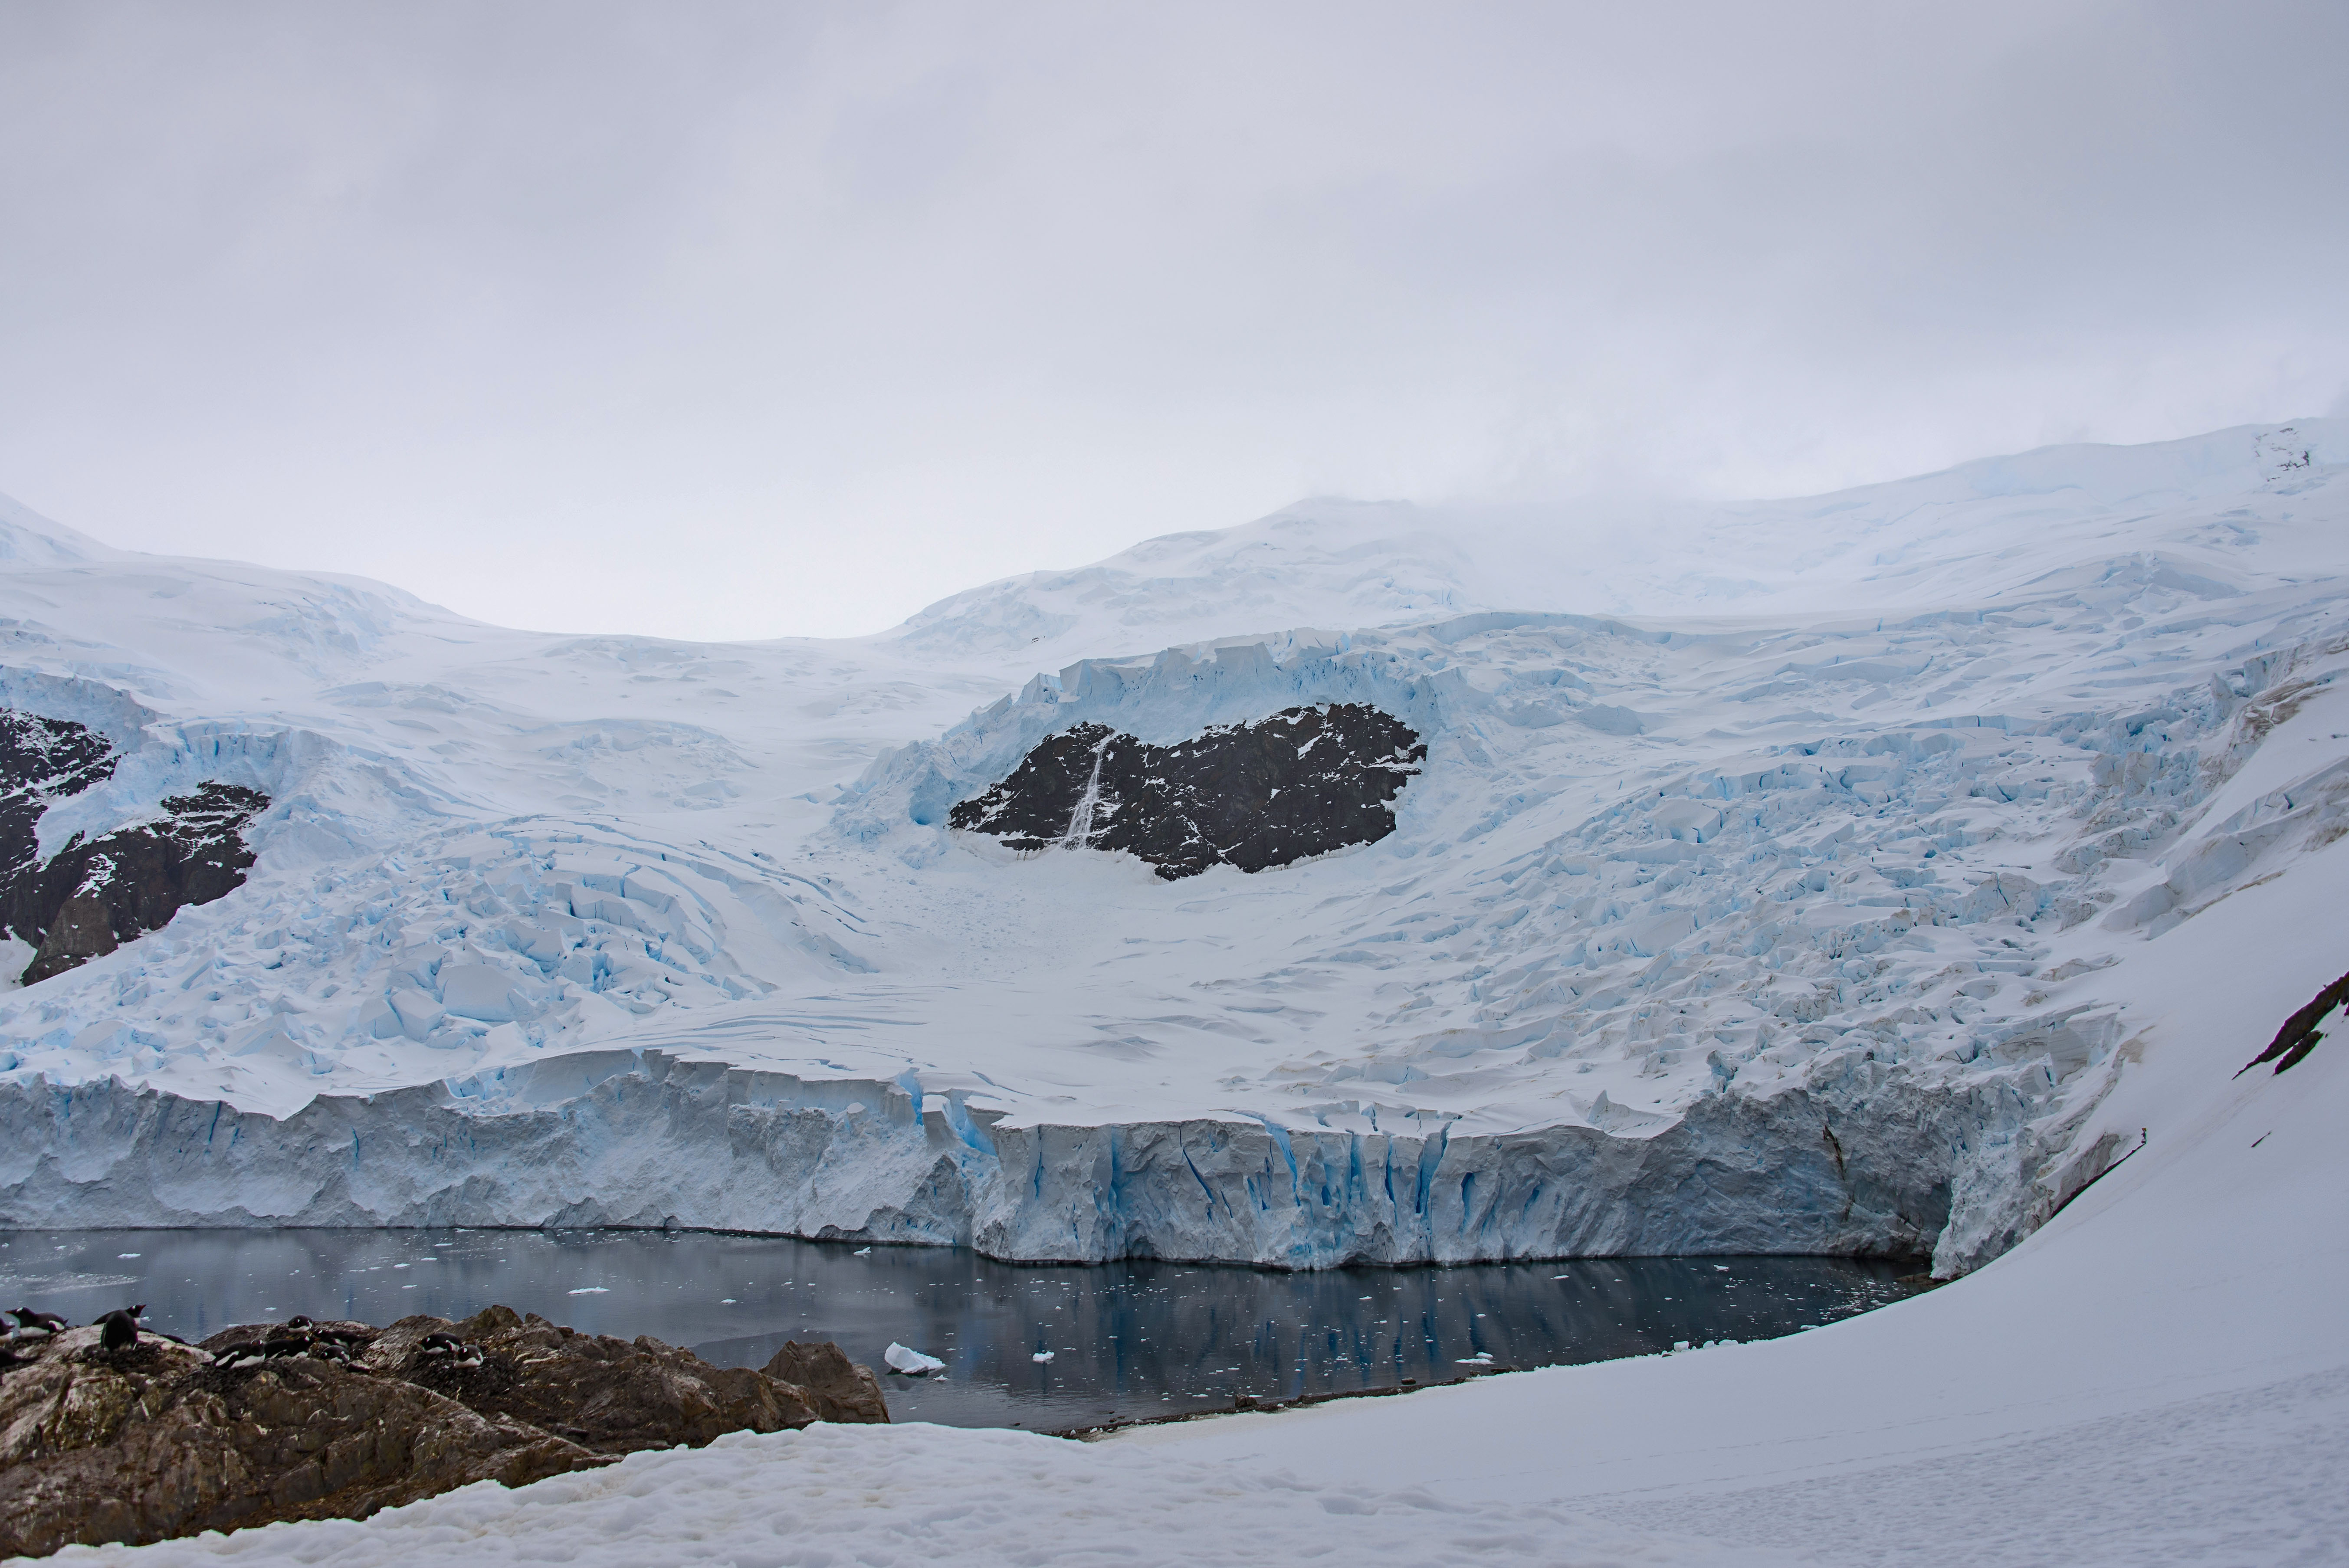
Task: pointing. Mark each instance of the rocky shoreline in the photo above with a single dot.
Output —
(158, 1439)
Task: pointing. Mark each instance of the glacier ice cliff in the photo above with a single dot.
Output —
(1861, 1164)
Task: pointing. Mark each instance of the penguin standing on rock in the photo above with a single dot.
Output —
(120, 1326)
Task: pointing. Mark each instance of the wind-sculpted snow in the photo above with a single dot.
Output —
(1787, 932)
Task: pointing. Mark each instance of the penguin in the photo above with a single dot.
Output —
(122, 1327)
(42, 1323)
(450, 1350)
(242, 1352)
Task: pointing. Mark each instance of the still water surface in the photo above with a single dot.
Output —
(1126, 1341)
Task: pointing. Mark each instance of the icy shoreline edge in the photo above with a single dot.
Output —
(1875, 1164)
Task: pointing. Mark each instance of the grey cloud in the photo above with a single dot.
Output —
(739, 320)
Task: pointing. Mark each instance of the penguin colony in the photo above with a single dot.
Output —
(119, 1330)
(297, 1336)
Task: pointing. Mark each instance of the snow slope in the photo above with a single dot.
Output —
(2156, 1375)
(1763, 891)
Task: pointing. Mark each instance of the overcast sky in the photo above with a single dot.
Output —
(729, 321)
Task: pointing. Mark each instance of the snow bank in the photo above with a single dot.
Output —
(922, 1493)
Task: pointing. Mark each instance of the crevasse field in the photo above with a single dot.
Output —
(1859, 874)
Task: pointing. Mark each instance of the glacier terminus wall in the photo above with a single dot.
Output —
(1859, 1168)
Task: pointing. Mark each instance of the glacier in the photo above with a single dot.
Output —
(1762, 889)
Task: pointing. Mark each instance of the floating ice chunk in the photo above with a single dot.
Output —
(1041, 1355)
(911, 1362)
(593, 1290)
(862, 1252)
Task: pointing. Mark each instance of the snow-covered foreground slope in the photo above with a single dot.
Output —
(2155, 1377)
(1763, 888)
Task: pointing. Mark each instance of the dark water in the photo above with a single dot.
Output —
(1128, 1340)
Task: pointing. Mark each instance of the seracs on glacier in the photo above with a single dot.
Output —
(1755, 894)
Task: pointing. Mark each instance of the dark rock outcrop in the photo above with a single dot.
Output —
(42, 761)
(265, 1422)
(110, 889)
(1302, 782)
(840, 1390)
(154, 1441)
(2299, 1034)
(95, 895)
(614, 1395)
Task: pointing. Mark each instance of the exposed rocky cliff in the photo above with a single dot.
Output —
(1302, 782)
(95, 895)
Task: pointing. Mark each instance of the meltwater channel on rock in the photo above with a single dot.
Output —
(1123, 1341)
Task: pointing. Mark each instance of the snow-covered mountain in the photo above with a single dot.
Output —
(1757, 892)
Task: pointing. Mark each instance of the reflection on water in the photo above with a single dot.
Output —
(1126, 1340)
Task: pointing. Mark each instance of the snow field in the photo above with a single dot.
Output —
(816, 1499)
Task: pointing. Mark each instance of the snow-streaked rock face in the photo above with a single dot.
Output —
(1755, 892)
(1298, 783)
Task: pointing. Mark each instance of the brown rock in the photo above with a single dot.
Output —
(81, 931)
(151, 1441)
(614, 1396)
(840, 1390)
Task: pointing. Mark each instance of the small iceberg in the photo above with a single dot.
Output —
(911, 1362)
(1041, 1355)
